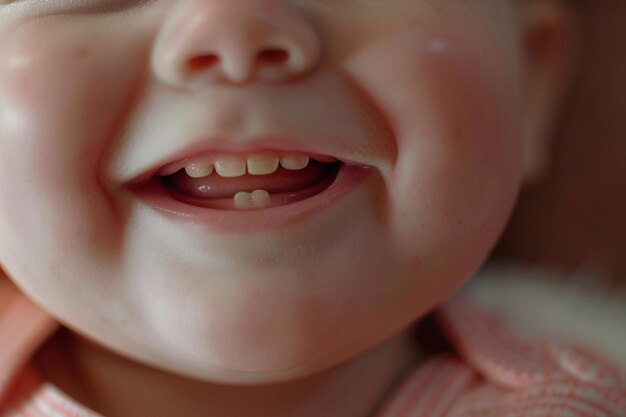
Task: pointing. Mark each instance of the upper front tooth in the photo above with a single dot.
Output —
(294, 162)
(230, 167)
(195, 170)
(262, 165)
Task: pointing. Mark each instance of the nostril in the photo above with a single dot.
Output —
(272, 56)
(203, 62)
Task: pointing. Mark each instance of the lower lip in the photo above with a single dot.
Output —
(156, 196)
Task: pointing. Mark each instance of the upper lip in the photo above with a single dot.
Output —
(268, 142)
(324, 119)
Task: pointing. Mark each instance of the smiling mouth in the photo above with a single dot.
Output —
(263, 190)
(251, 192)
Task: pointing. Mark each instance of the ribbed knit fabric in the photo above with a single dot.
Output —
(497, 375)
(491, 374)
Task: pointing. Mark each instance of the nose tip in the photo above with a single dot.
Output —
(234, 41)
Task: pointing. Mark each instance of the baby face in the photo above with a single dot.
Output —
(407, 112)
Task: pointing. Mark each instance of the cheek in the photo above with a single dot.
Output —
(452, 103)
(60, 105)
(459, 155)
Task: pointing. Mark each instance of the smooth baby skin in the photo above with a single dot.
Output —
(432, 96)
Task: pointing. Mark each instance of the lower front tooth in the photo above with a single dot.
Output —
(255, 199)
(243, 200)
(260, 198)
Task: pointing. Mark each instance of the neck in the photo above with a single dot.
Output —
(115, 386)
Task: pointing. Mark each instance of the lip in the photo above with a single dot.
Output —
(156, 196)
(263, 144)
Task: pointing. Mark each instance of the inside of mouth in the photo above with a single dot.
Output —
(283, 186)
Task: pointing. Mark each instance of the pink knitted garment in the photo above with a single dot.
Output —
(492, 374)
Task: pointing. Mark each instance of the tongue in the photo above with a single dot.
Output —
(280, 181)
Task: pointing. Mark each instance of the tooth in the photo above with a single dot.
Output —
(199, 170)
(294, 162)
(262, 165)
(260, 198)
(243, 200)
(230, 167)
(255, 199)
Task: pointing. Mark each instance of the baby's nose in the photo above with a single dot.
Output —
(235, 41)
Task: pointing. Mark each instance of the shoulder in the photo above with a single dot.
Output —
(528, 363)
(23, 328)
(535, 302)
